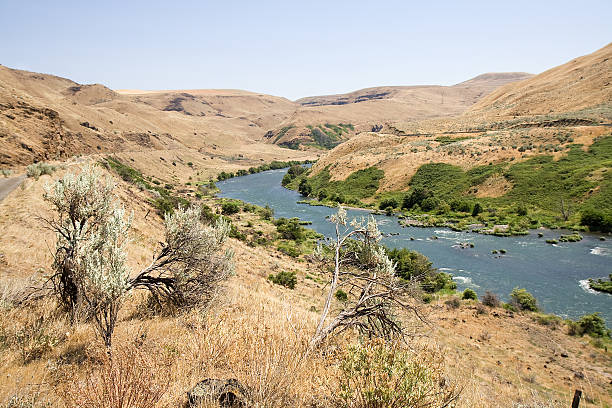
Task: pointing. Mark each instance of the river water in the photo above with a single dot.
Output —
(555, 274)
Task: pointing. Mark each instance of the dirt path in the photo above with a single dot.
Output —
(9, 184)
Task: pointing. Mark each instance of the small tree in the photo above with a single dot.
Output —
(84, 208)
(359, 265)
(90, 258)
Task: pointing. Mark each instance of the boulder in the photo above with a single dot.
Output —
(227, 393)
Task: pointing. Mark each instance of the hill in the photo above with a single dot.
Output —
(372, 108)
(550, 116)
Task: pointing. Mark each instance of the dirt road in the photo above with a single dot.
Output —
(9, 184)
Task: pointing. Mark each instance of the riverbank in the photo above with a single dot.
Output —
(551, 272)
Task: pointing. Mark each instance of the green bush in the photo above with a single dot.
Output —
(469, 294)
(410, 264)
(341, 295)
(416, 196)
(524, 300)
(377, 375)
(596, 220)
(267, 213)
(290, 229)
(390, 202)
(39, 169)
(305, 188)
(230, 207)
(286, 279)
(592, 324)
(438, 282)
(477, 209)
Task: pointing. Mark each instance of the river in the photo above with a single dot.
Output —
(555, 274)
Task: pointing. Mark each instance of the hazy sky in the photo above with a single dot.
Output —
(295, 48)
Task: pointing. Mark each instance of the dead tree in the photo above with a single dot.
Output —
(566, 210)
(360, 267)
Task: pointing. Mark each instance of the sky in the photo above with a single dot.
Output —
(295, 48)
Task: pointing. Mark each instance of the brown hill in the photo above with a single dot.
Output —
(44, 117)
(584, 82)
(574, 98)
(373, 107)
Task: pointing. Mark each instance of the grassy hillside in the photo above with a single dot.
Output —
(541, 190)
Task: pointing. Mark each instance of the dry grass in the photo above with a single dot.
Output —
(257, 333)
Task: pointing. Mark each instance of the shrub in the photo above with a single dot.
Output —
(524, 300)
(305, 188)
(378, 375)
(6, 172)
(477, 210)
(391, 202)
(437, 282)
(592, 324)
(341, 295)
(230, 207)
(596, 220)
(290, 229)
(410, 264)
(286, 279)
(416, 197)
(430, 203)
(453, 303)
(461, 206)
(490, 299)
(39, 169)
(267, 213)
(469, 294)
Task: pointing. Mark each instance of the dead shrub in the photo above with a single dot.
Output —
(490, 299)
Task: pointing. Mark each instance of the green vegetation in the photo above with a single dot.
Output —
(375, 374)
(39, 169)
(164, 201)
(575, 237)
(230, 207)
(469, 294)
(358, 185)
(325, 136)
(574, 192)
(593, 325)
(523, 300)
(341, 295)
(286, 279)
(290, 229)
(444, 140)
(282, 132)
(274, 165)
(601, 285)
